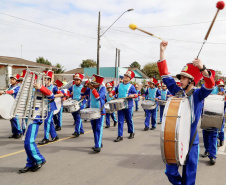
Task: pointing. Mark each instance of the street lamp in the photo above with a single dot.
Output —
(98, 38)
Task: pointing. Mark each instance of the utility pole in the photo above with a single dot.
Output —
(98, 46)
(116, 62)
(118, 57)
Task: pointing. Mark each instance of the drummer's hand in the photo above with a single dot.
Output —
(168, 95)
(110, 95)
(156, 99)
(143, 97)
(83, 97)
(90, 86)
(131, 96)
(220, 93)
(197, 63)
(37, 86)
(1, 92)
(163, 46)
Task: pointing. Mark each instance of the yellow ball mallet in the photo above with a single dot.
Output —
(134, 27)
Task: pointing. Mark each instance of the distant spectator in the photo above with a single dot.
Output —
(64, 82)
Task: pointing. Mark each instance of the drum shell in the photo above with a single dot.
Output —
(149, 105)
(162, 102)
(71, 105)
(107, 108)
(213, 112)
(90, 113)
(116, 105)
(180, 133)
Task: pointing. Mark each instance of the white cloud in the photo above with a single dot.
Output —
(82, 16)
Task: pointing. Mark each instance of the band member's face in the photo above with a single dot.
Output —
(136, 88)
(77, 81)
(96, 86)
(13, 81)
(47, 81)
(126, 79)
(184, 81)
(151, 85)
(159, 87)
(109, 89)
(164, 88)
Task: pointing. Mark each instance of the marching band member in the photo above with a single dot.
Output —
(152, 94)
(13, 90)
(189, 77)
(75, 90)
(48, 124)
(108, 98)
(220, 84)
(96, 92)
(124, 90)
(136, 100)
(57, 118)
(164, 95)
(35, 160)
(159, 86)
(210, 135)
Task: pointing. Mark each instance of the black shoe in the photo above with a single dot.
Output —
(221, 143)
(44, 141)
(97, 149)
(25, 169)
(152, 128)
(37, 167)
(119, 139)
(115, 123)
(81, 132)
(160, 122)
(58, 128)
(107, 126)
(17, 136)
(206, 154)
(212, 161)
(94, 146)
(146, 128)
(54, 139)
(131, 136)
(76, 134)
(12, 136)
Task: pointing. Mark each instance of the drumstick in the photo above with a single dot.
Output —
(133, 27)
(220, 6)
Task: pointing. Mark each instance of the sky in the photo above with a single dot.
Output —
(71, 35)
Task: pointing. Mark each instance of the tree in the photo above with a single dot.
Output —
(151, 70)
(60, 70)
(88, 63)
(41, 60)
(135, 64)
(218, 74)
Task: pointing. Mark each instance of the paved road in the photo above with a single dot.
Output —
(71, 160)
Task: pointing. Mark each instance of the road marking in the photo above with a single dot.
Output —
(18, 152)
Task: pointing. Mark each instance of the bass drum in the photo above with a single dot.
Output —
(58, 102)
(6, 105)
(175, 131)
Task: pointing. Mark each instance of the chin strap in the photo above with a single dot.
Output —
(188, 84)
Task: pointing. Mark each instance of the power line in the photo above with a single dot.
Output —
(78, 34)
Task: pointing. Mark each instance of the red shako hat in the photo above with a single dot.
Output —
(130, 74)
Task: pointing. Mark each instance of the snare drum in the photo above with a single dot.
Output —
(118, 104)
(90, 113)
(213, 112)
(148, 105)
(107, 108)
(162, 102)
(6, 105)
(58, 102)
(175, 131)
(71, 105)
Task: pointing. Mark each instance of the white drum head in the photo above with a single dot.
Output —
(6, 105)
(58, 105)
(183, 130)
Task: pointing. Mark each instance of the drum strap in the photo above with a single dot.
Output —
(192, 141)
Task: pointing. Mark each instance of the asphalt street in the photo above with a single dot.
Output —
(71, 161)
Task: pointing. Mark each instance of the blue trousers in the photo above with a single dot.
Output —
(136, 105)
(189, 169)
(108, 118)
(128, 114)
(221, 133)
(97, 126)
(153, 115)
(57, 118)
(78, 122)
(33, 155)
(49, 126)
(24, 124)
(210, 142)
(162, 107)
(15, 125)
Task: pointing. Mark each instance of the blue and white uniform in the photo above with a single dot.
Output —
(57, 118)
(97, 100)
(163, 96)
(76, 89)
(136, 100)
(124, 90)
(196, 102)
(108, 114)
(151, 94)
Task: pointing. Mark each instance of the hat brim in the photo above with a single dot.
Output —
(94, 83)
(184, 74)
(127, 75)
